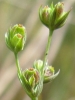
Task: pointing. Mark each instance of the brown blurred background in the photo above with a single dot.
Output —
(61, 55)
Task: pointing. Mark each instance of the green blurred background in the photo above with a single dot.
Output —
(61, 55)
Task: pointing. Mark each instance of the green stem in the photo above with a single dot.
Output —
(17, 64)
(21, 78)
(36, 98)
(47, 47)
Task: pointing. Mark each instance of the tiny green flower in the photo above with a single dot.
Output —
(44, 14)
(38, 64)
(53, 17)
(31, 77)
(59, 9)
(49, 74)
(31, 80)
(15, 38)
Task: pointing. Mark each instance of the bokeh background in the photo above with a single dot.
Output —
(61, 55)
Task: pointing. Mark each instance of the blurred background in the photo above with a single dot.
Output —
(61, 55)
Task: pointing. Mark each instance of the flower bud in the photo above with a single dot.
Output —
(53, 17)
(59, 9)
(15, 38)
(31, 81)
(49, 74)
(38, 65)
(44, 14)
(31, 76)
(61, 16)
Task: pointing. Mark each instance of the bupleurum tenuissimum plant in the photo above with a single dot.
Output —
(32, 79)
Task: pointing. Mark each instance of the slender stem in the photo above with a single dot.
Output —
(47, 47)
(36, 98)
(17, 64)
(19, 73)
